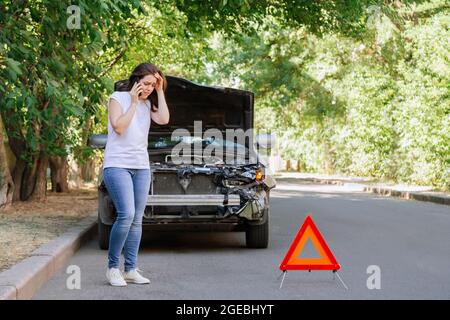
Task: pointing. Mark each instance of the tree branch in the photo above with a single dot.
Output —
(113, 62)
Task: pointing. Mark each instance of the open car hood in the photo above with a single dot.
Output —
(217, 107)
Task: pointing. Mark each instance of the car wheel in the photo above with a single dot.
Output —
(257, 236)
(104, 230)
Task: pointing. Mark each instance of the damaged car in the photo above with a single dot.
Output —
(206, 173)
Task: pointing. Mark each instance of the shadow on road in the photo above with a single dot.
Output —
(192, 241)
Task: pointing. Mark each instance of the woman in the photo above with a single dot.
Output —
(126, 168)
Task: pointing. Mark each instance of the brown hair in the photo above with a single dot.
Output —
(142, 70)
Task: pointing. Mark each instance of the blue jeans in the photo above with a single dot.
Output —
(128, 189)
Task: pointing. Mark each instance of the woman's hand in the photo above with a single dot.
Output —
(159, 82)
(136, 90)
(161, 114)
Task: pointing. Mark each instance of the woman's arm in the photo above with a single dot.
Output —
(119, 120)
(161, 116)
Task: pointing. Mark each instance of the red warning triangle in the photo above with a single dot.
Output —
(292, 261)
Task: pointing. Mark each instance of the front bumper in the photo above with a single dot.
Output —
(193, 200)
(253, 211)
(227, 206)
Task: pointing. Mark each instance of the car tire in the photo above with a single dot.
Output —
(104, 230)
(257, 236)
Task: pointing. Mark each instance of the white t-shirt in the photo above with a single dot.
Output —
(129, 150)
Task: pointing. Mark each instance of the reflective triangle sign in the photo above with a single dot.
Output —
(293, 261)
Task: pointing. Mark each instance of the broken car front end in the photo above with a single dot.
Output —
(188, 193)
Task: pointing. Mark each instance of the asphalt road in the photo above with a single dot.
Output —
(408, 240)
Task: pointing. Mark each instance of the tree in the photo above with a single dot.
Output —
(375, 104)
(6, 183)
(50, 77)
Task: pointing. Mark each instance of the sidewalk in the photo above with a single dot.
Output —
(421, 193)
(21, 281)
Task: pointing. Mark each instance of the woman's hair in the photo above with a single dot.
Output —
(142, 70)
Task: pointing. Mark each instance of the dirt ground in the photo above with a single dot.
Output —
(25, 226)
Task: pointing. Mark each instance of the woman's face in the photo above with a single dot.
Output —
(148, 84)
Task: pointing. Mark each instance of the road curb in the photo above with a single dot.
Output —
(420, 196)
(385, 191)
(22, 280)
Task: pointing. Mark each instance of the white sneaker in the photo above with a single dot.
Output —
(115, 278)
(134, 277)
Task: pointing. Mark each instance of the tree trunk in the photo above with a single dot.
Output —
(6, 182)
(87, 166)
(88, 170)
(39, 175)
(17, 179)
(29, 177)
(17, 147)
(59, 173)
(6, 185)
(299, 166)
(31, 181)
(288, 165)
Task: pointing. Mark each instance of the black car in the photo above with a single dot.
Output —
(203, 177)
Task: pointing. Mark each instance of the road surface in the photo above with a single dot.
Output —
(409, 241)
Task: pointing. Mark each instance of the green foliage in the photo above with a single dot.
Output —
(51, 75)
(166, 41)
(236, 16)
(358, 87)
(374, 105)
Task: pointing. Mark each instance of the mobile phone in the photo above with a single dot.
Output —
(140, 92)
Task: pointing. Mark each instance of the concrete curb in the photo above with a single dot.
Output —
(420, 196)
(22, 280)
(436, 197)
